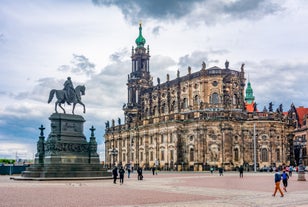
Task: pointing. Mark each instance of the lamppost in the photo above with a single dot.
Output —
(299, 144)
(113, 152)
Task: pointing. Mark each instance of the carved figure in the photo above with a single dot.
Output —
(74, 98)
(69, 91)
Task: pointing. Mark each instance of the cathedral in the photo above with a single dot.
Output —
(199, 119)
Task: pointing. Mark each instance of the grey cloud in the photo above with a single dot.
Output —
(251, 8)
(159, 9)
(82, 65)
(156, 30)
(119, 55)
(79, 65)
(195, 59)
(1, 37)
(208, 11)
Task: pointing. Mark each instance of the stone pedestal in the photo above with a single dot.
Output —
(66, 152)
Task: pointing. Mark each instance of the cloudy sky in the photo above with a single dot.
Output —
(44, 42)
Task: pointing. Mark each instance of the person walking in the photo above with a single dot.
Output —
(290, 170)
(115, 174)
(241, 169)
(212, 169)
(285, 178)
(221, 171)
(277, 183)
(139, 171)
(121, 172)
(128, 172)
(153, 170)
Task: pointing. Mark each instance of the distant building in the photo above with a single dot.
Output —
(299, 119)
(194, 121)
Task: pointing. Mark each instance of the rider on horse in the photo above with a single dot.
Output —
(69, 91)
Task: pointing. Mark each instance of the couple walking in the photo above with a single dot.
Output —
(278, 177)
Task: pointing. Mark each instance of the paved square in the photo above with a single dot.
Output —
(165, 189)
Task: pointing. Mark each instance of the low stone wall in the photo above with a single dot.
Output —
(12, 169)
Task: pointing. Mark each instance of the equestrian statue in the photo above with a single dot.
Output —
(69, 95)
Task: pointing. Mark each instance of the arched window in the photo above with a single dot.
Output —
(215, 98)
(234, 100)
(172, 106)
(264, 155)
(196, 100)
(236, 154)
(191, 155)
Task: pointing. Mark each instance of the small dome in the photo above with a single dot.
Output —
(140, 41)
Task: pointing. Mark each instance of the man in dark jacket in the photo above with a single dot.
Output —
(115, 174)
(121, 172)
(139, 171)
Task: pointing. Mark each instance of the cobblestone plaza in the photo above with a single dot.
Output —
(165, 189)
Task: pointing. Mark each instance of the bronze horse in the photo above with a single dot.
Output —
(60, 94)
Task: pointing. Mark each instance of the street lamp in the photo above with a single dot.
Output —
(113, 152)
(299, 144)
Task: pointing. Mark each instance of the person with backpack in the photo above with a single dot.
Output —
(277, 183)
(121, 172)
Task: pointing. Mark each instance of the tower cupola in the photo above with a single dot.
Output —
(140, 41)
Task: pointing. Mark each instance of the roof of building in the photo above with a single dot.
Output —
(301, 112)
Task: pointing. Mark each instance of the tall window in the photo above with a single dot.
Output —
(162, 139)
(185, 103)
(163, 108)
(278, 155)
(151, 140)
(215, 98)
(236, 154)
(172, 106)
(132, 156)
(196, 100)
(264, 155)
(162, 155)
(123, 157)
(141, 156)
(154, 110)
(191, 155)
(151, 156)
(171, 154)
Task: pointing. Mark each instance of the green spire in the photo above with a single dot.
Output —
(140, 41)
(249, 94)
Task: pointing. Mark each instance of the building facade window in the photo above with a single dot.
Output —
(141, 156)
(171, 155)
(236, 155)
(264, 155)
(278, 155)
(124, 157)
(214, 98)
(151, 155)
(191, 155)
(162, 155)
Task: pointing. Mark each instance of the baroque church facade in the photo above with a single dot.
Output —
(204, 118)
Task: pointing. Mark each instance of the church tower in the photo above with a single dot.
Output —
(249, 99)
(138, 80)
